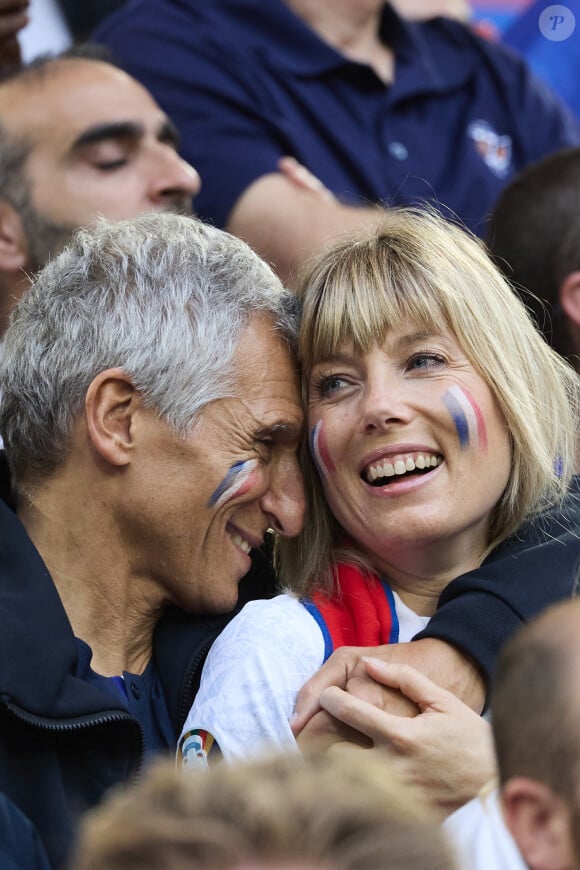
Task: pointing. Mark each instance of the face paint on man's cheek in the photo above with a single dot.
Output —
(319, 451)
(467, 416)
(235, 483)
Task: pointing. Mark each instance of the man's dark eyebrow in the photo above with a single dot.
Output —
(169, 133)
(113, 130)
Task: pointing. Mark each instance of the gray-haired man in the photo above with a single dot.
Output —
(151, 418)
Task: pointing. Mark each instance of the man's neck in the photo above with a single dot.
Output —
(109, 606)
(351, 28)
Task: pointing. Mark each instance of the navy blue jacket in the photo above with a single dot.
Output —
(247, 81)
(20, 846)
(63, 741)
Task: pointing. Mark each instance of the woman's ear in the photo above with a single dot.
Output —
(110, 406)
(540, 823)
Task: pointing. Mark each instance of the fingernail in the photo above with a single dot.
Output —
(373, 660)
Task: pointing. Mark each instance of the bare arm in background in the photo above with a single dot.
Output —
(286, 222)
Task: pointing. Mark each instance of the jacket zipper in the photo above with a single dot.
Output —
(192, 673)
(78, 724)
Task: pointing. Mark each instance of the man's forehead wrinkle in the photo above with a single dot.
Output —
(272, 421)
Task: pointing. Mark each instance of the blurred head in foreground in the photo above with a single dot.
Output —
(326, 812)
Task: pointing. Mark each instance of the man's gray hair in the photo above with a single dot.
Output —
(163, 297)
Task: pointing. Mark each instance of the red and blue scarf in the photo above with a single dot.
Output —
(361, 613)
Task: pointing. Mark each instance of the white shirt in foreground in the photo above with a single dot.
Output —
(481, 838)
(253, 674)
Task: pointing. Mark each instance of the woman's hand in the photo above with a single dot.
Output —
(446, 750)
(439, 661)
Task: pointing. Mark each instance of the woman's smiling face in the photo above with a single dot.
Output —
(410, 445)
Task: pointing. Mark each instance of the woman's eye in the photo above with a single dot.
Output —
(425, 361)
(325, 385)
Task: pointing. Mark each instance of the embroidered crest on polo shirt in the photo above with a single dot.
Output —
(494, 149)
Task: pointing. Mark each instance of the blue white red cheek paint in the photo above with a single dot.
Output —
(319, 451)
(467, 416)
(234, 484)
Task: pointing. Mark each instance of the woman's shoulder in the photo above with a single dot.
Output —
(278, 627)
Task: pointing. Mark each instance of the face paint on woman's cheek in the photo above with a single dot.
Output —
(234, 484)
(467, 416)
(319, 451)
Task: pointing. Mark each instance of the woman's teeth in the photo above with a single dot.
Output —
(402, 465)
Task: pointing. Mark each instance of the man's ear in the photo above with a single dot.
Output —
(13, 241)
(540, 823)
(110, 406)
(569, 296)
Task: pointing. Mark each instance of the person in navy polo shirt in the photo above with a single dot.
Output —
(380, 109)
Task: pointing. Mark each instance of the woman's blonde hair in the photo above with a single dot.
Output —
(417, 268)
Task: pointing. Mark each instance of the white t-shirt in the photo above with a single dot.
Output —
(481, 838)
(253, 674)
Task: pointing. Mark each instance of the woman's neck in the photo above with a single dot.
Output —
(420, 573)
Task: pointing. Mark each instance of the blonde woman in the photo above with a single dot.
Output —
(439, 421)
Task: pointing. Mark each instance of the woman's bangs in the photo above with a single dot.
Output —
(361, 313)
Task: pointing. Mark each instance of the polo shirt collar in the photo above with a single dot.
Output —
(429, 57)
(275, 32)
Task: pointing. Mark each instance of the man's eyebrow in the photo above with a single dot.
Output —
(281, 430)
(112, 130)
(169, 133)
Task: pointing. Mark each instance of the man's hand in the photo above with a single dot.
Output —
(439, 661)
(13, 17)
(300, 176)
(446, 750)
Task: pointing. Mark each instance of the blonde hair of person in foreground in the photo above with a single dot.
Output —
(337, 811)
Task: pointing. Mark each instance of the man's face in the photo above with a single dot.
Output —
(197, 506)
(98, 145)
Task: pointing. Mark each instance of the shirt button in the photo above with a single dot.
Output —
(135, 691)
(398, 150)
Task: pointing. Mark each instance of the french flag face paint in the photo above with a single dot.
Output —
(319, 451)
(467, 417)
(234, 484)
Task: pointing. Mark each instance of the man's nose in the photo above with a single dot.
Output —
(173, 176)
(285, 503)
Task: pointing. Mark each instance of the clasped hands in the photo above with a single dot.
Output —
(381, 697)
